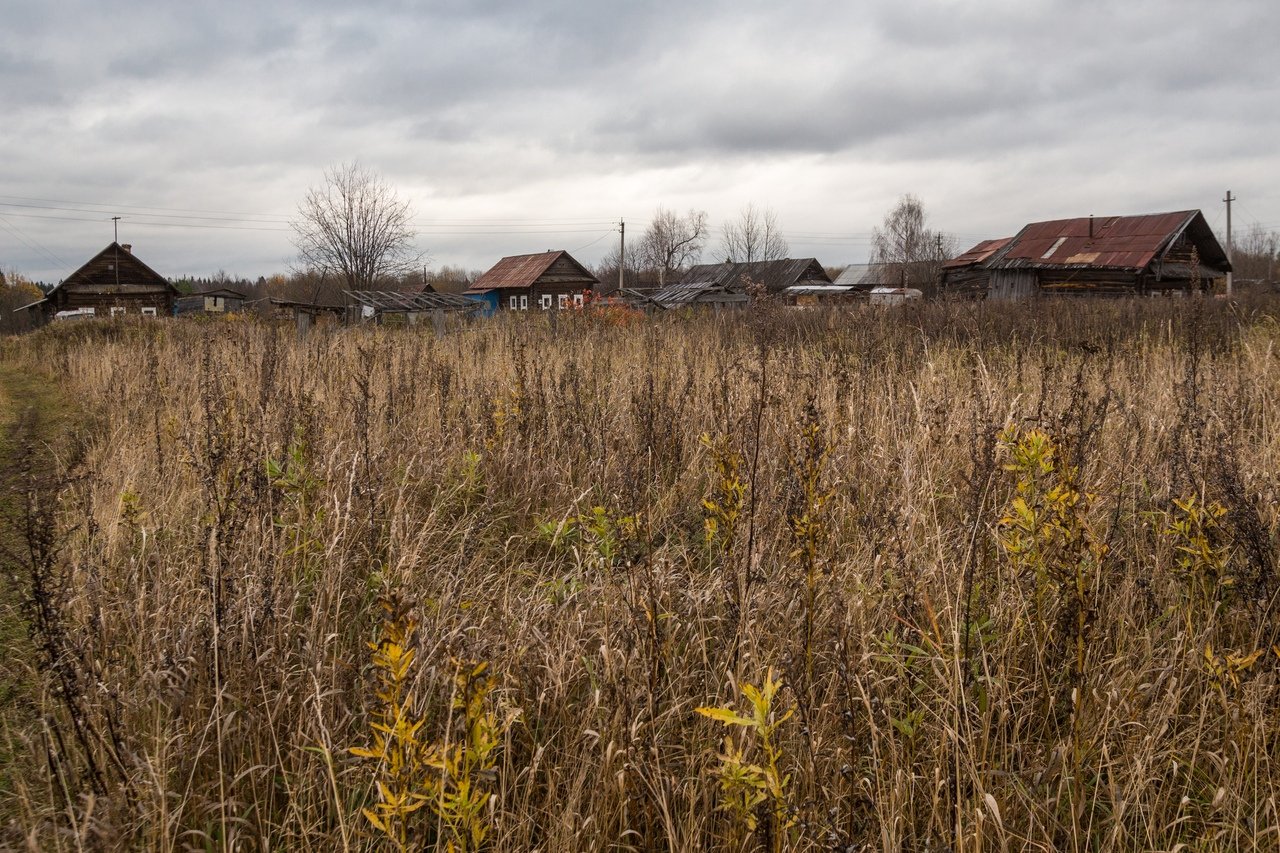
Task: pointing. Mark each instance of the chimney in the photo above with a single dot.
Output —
(1090, 226)
(128, 247)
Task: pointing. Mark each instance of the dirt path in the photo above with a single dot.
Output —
(34, 417)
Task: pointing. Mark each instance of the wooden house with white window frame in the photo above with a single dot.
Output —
(545, 281)
(112, 283)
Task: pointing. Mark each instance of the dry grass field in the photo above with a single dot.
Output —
(967, 577)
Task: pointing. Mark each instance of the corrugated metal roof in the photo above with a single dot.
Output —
(810, 289)
(522, 271)
(864, 276)
(703, 292)
(388, 300)
(977, 254)
(1112, 242)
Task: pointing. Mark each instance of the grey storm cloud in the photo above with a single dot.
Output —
(992, 111)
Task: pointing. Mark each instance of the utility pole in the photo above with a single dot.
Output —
(115, 241)
(622, 253)
(1230, 198)
(1271, 258)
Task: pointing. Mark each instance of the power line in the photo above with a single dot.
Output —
(143, 224)
(275, 218)
(130, 207)
(32, 244)
(496, 230)
(593, 242)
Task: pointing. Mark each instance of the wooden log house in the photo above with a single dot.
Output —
(545, 281)
(112, 283)
(1161, 253)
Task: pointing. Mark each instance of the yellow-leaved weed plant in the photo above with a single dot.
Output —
(429, 792)
(753, 785)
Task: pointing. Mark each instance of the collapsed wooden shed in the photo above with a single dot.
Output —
(383, 306)
(797, 280)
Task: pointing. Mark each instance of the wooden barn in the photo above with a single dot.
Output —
(545, 281)
(113, 283)
(1160, 253)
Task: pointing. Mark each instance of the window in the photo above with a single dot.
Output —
(148, 312)
(546, 302)
(524, 303)
(117, 310)
(577, 300)
(563, 301)
(515, 301)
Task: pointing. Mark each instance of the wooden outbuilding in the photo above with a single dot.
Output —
(1160, 253)
(113, 283)
(864, 278)
(784, 277)
(218, 301)
(546, 281)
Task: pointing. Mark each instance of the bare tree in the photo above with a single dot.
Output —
(607, 271)
(911, 253)
(753, 236)
(673, 242)
(1254, 254)
(353, 227)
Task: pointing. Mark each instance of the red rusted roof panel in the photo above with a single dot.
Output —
(1128, 242)
(978, 253)
(515, 271)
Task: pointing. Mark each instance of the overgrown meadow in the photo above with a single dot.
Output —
(942, 577)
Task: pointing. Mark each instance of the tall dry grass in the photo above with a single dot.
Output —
(221, 529)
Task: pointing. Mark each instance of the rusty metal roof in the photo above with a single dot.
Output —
(522, 271)
(977, 254)
(1112, 242)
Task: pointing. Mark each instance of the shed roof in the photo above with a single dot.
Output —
(224, 292)
(864, 276)
(389, 300)
(524, 271)
(774, 275)
(687, 292)
(977, 254)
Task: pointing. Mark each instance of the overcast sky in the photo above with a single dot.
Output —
(543, 123)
